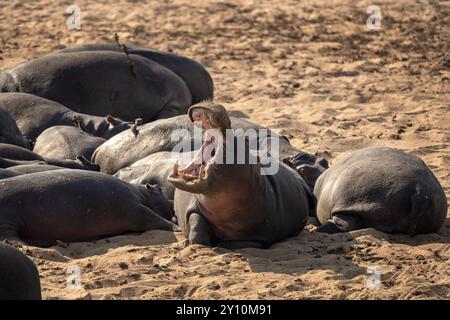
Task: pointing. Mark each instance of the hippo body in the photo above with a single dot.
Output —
(77, 205)
(9, 132)
(35, 114)
(126, 148)
(102, 83)
(154, 169)
(19, 277)
(240, 207)
(11, 155)
(63, 142)
(227, 197)
(21, 169)
(193, 73)
(381, 188)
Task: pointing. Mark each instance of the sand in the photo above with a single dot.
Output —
(311, 70)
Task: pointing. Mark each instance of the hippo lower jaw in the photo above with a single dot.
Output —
(197, 181)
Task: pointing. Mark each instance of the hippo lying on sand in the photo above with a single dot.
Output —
(193, 73)
(63, 142)
(34, 114)
(234, 205)
(126, 148)
(11, 155)
(381, 188)
(19, 277)
(9, 132)
(101, 83)
(19, 170)
(154, 169)
(77, 205)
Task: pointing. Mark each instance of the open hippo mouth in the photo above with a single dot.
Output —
(194, 178)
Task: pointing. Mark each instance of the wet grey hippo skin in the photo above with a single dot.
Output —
(156, 137)
(381, 188)
(63, 142)
(101, 83)
(193, 73)
(11, 155)
(19, 277)
(9, 132)
(34, 114)
(25, 169)
(235, 206)
(77, 205)
(154, 169)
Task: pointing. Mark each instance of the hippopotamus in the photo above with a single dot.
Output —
(102, 83)
(19, 277)
(9, 132)
(127, 147)
(381, 188)
(17, 170)
(34, 114)
(11, 155)
(154, 169)
(193, 73)
(63, 142)
(231, 203)
(78, 205)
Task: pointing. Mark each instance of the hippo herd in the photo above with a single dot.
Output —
(101, 140)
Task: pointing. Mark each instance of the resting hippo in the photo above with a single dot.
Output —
(126, 148)
(77, 205)
(8, 173)
(101, 83)
(381, 188)
(34, 114)
(235, 205)
(11, 155)
(63, 142)
(193, 73)
(9, 132)
(154, 169)
(21, 169)
(19, 277)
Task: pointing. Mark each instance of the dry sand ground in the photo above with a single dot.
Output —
(310, 69)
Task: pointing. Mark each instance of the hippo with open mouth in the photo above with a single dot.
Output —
(234, 205)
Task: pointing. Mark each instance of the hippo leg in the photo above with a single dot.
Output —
(240, 244)
(340, 222)
(199, 230)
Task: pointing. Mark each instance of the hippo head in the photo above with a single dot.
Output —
(116, 126)
(309, 166)
(154, 199)
(199, 175)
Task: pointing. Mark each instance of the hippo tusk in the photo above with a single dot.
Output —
(176, 166)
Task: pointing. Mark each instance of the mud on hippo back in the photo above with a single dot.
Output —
(381, 188)
(101, 83)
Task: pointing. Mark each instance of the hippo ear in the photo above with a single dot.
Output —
(322, 162)
(111, 120)
(152, 187)
(286, 138)
(287, 161)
